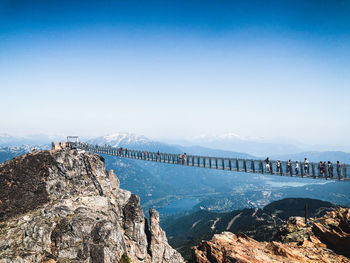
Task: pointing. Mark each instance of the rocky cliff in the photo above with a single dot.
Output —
(324, 239)
(62, 206)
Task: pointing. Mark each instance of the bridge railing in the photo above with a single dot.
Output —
(222, 163)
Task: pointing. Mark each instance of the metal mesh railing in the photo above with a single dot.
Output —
(313, 170)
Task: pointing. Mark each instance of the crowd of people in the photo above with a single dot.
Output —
(325, 169)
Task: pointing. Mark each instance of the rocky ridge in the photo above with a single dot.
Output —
(325, 239)
(62, 206)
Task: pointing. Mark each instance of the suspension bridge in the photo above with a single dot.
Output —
(221, 163)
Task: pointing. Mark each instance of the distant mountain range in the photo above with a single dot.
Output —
(228, 145)
(258, 146)
(9, 152)
(133, 141)
(253, 146)
(36, 139)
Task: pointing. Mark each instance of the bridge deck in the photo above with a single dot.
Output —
(220, 163)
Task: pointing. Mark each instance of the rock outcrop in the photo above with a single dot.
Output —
(325, 239)
(228, 247)
(62, 206)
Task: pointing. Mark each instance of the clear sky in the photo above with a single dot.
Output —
(174, 69)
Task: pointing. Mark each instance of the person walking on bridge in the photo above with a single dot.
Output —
(306, 166)
(330, 169)
(323, 169)
(278, 165)
(289, 167)
(320, 169)
(297, 168)
(339, 170)
(267, 165)
(179, 159)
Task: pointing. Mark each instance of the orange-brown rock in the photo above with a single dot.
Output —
(228, 247)
(324, 239)
(334, 230)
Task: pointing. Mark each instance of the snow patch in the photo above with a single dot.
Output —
(232, 221)
(213, 225)
(195, 223)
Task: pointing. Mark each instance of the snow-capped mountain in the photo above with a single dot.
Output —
(140, 142)
(133, 141)
(119, 139)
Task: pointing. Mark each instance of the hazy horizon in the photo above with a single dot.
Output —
(245, 144)
(277, 70)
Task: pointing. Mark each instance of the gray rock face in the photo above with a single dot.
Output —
(62, 206)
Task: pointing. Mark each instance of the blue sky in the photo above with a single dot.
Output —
(175, 69)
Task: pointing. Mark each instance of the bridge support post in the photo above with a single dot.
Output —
(281, 169)
(245, 165)
(253, 166)
(223, 164)
(302, 165)
(216, 163)
(313, 170)
(230, 164)
(345, 172)
(271, 167)
(237, 165)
